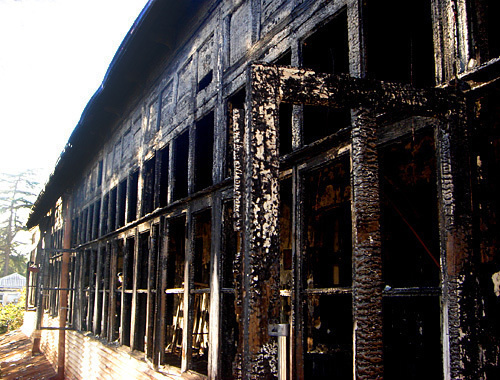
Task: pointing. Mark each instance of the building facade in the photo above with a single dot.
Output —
(300, 189)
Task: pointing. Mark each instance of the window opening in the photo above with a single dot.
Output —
(286, 247)
(83, 228)
(99, 292)
(205, 81)
(92, 288)
(89, 226)
(118, 283)
(322, 121)
(122, 201)
(181, 155)
(112, 209)
(201, 301)
(484, 29)
(237, 101)
(327, 49)
(105, 215)
(99, 173)
(132, 197)
(141, 277)
(164, 164)
(174, 315)
(327, 272)
(285, 59)
(97, 217)
(127, 289)
(106, 293)
(148, 188)
(204, 152)
(229, 324)
(153, 285)
(285, 128)
(399, 41)
(410, 249)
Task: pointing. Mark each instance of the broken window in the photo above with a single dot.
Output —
(181, 155)
(322, 121)
(327, 272)
(92, 288)
(204, 152)
(148, 186)
(201, 286)
(132, 196)
(163, 173)
(106, 292)
(99, 292)
(410, 249)
(399, 41)
(90, 221)
(174, 314)
(153, 285)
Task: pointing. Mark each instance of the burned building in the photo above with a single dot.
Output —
(300, 189)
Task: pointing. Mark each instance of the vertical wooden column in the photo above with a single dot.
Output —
(63, 295)
(258, 293)
(460, 293)
(367, 260)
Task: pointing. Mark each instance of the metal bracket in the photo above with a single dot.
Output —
(280, 329)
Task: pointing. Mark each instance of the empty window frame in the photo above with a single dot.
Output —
(99, 173)
(106, 291)
(486, 196)
(97, 218)
(205, 81)
(327, 49)
(132, 190)
(118, 288)
(154, 320)
(127, 284)
(141, 294)
(202, 249)
(399, 41)
(237, 101)
(327, 272)
(112, 209)
(174, 313)
(286, 218)
(99, 291)
(484, 29)
(148, 186)
(410, 249)
(121, 203)
(91, 289)
(204, 152)
(181, 156)
(229, 325)
(163, 169)
(105, 215)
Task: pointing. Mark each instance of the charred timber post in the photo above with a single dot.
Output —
(459, 283)
(260, 206)
(63, 309)
(367, 254)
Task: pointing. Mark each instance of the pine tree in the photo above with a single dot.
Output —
(17, 194)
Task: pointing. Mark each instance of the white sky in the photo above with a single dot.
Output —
(53, 57)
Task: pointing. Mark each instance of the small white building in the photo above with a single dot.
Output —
(10, 288)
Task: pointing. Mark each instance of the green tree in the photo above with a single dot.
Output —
(17, 194)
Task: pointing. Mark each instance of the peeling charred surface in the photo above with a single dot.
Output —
(459, 283)
(260, 245)
(367, 280)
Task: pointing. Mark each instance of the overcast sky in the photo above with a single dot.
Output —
(53, 57)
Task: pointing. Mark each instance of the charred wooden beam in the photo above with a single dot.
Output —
(367, 253)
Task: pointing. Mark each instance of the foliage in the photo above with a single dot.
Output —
(17, 193)
(12, 314)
